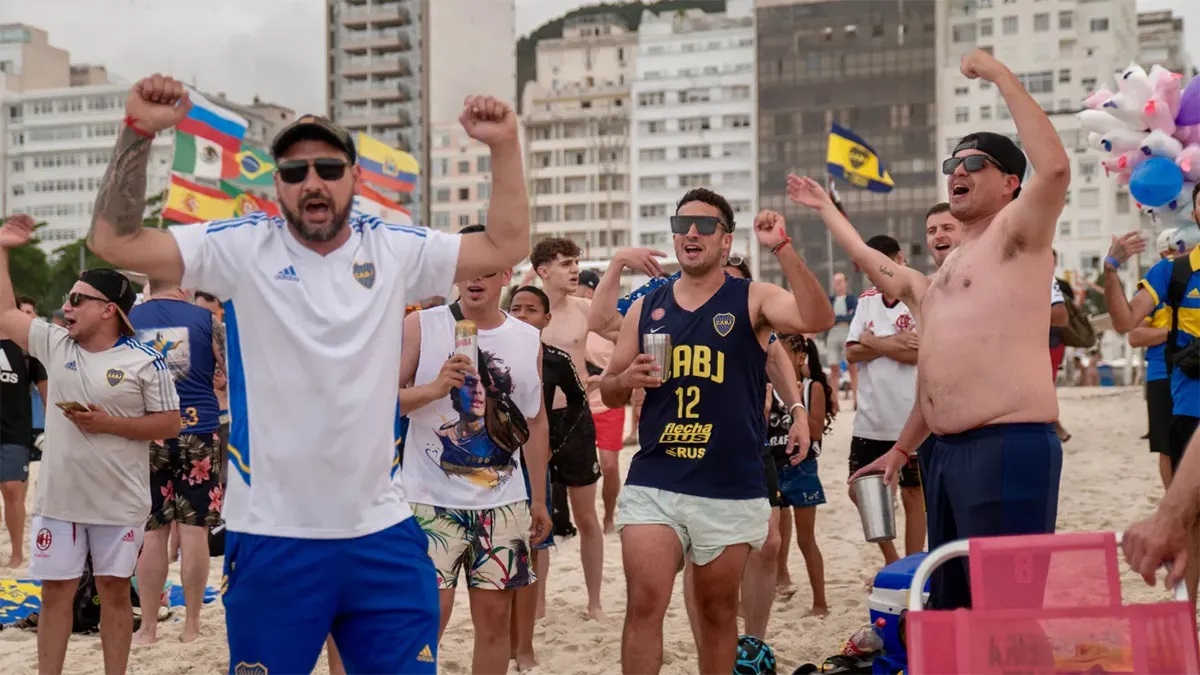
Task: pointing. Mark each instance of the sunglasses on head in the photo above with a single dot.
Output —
(971, 163)
(76, 299)
(735, 261)
(704, 224)
(296, 170)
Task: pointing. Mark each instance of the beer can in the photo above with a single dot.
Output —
(466, 340)
(658, 346)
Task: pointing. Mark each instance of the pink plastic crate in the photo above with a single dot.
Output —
(1049, 604)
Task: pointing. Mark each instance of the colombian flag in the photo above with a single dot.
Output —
(189, 202)
(372, 203)
(385, 166)
(851, 159)
(245, 203)
(217, 124)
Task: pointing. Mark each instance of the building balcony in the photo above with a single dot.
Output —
(359, 41)
(393, 89)
(391, 13)
(362, 115)
(377, 65)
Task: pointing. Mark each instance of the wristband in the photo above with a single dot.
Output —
(777, 247)
(1109, 260)
(797, 405)
(130, 122)
(901, 451)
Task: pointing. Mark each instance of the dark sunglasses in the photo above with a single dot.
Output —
(296, 170)
(971, 163)
(704, 224)
(76, 299)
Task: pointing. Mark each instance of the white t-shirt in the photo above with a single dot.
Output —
(314, 366)
(886, 388)
(1056, 296)
(97, 479)
(449, 460)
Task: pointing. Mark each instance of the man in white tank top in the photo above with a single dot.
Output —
(467, 491)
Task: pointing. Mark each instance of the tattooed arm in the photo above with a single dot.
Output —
(154, 103)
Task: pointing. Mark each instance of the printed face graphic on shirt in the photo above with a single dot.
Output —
(172, 343)
(465, 449)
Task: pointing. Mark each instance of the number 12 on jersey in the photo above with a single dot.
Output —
(689, 398)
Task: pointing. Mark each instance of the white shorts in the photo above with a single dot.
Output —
(60, 549)
(705, 526)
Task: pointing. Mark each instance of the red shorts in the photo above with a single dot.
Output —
(1056, 357)
(610, 429)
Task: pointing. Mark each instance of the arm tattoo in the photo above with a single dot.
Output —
(218, 333)
(121, 200)
(884, 269)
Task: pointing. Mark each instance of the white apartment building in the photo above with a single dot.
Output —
(1161, 40)
(576, 118)
(58, 126)
(692, 123)
(1062, 51)
(460, 174)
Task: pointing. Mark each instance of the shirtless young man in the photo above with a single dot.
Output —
(982, 385)
(576, 464)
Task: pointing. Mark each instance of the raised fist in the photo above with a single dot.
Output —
(157, 102)
(768, 227)
(488, 120)
(16, 231)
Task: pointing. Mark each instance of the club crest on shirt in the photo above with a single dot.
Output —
(723, 323)
(658, 314)
(364, 273)
(114, 376)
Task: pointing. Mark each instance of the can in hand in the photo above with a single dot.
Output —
(466, 341)
(658, 346)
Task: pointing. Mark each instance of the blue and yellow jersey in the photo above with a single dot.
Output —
(1185, 391)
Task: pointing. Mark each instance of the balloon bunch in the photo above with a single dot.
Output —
(1150, 129)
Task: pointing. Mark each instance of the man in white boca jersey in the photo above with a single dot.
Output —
(321, 538)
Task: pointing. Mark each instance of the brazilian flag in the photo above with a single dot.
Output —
(255, 168)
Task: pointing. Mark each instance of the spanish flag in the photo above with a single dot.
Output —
(189, 202)
(386, 167)
(851, 159)
(245, 203)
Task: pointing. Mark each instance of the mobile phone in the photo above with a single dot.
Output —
(71, 406)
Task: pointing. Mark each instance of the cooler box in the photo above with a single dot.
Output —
(889, 597)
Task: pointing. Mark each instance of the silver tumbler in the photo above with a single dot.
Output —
(658, 346)
(875, 507)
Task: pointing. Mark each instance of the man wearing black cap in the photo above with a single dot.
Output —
(314, 305)
(982, 389)
(588, 280)
(93, 494)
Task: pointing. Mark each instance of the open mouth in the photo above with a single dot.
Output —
(316, 208)
(941, 247)
(68, 321)
(693, 249)
(959, 189)
(475, 290)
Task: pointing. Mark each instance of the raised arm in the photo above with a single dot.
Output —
(604, 318)
(153, 104)
(505, 241)
(809, 304)
(1128, 314)
(14, 323)
(897, 281)
(1035, 212)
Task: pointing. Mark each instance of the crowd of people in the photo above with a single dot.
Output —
(287, 378)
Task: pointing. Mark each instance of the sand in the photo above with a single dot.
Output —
(1109, 478)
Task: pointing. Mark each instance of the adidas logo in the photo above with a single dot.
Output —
(70, 365)
(425, 655)
(287, 274)
(128, 536)
(1195, 293)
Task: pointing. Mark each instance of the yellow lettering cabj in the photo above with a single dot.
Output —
(698, 361)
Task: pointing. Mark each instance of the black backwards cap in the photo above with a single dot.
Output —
(998, 147)
(116, 288)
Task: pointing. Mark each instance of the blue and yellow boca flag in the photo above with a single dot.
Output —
(850, 158)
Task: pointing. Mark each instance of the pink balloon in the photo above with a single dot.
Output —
(1189, 162)
(1097, 98)
(1167, 87)
(1157, 116)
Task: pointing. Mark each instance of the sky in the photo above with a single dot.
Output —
(271, 48)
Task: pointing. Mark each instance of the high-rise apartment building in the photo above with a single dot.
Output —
(399, 67)
(1161, 41)
(868, 65)
(460, 171)
(692, 122)
(576, 118)
(58, 124)
(1061, 52)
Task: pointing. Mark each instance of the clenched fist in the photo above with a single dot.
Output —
(488, 120)
(16, 231)
(768, 227)
(157, 102)
(980, 64)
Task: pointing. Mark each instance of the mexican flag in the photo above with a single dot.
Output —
(203, 158)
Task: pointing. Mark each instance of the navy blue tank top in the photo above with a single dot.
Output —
(183, 334)
(702, 432)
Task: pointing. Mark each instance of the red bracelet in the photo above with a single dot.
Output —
(776, 248)
(897, 449)
(130, 122)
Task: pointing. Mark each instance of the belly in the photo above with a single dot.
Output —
(980, 366)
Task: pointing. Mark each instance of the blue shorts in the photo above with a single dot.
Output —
(549, 540)
(377, 595)
(801, 485)
(997, 480)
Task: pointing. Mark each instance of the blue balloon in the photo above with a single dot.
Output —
(1156, 181)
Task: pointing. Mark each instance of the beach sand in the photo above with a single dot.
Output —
(1109, 478)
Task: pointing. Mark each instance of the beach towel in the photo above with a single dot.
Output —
(21, 597)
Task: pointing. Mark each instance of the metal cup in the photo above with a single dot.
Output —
(658, 346)
(875, 507)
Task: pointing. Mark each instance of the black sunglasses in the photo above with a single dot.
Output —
(971, 163)
(704, 224)
(296, 170)
(76, 299)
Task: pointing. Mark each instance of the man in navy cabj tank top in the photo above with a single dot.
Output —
(185, 472)
(696, 487)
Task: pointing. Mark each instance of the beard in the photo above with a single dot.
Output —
(701, 267)
(317, 234)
